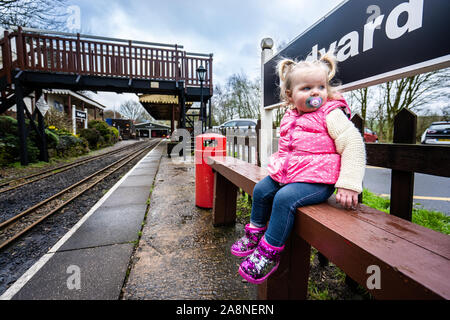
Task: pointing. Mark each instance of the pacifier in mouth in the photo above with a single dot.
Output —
(314, 102)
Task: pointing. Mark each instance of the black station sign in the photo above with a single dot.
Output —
(80, 114)
(374, 41)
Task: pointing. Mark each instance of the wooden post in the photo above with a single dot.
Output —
(402, 182)
(224, 204)
(70, 109)
(258, 137)
(130, 73)
(175, 64)
(290, 281)
(172, 122)
(78, 55)
(19, 47)
(20, 105)
(6, 55)
(182, 103)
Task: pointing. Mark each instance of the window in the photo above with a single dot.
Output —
(230, 124)
(246, 124)
(58, 106)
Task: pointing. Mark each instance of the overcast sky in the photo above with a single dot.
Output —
(231, 30)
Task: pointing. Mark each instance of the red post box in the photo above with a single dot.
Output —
(206, 145)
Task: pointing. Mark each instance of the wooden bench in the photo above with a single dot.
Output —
(413, 261)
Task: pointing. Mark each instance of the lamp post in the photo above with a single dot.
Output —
(201, 74)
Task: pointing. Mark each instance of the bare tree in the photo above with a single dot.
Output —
(409, 93)
(45, 14)
(359, 98)
(134, 111)
(239, 98)
(108, 113)
(379, 104)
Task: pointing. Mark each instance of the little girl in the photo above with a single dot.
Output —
(319, 149)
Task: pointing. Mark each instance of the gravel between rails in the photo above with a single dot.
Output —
(22, 254)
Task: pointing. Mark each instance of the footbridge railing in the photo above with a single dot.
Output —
(48, 51)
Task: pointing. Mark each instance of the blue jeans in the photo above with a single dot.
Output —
(279, 204)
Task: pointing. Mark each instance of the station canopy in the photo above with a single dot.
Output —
(159, 106)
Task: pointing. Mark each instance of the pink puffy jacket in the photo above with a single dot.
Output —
(306, 152)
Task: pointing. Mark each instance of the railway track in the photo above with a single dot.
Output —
(22, 181)
(15, 227)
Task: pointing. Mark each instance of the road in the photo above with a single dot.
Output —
(432, 192)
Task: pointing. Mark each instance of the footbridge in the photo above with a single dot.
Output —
(32, 60)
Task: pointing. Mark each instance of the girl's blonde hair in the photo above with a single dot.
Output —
(327, 62)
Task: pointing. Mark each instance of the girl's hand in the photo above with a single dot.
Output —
(348, 198)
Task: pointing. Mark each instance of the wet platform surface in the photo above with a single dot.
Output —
(180, 255)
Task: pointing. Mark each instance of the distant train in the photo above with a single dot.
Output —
(126, 128)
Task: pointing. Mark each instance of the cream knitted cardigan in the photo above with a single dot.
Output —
(350, 145)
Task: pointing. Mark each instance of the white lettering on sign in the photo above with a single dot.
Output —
(80, 114)
(369, 29)
(348, 44)
(414, 8)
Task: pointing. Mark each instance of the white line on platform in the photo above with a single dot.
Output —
(22, 281)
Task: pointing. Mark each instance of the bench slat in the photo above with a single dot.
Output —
(244, 176)
(434, 241)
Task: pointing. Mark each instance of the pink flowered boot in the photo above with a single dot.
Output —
(247, 244)
(264, 261)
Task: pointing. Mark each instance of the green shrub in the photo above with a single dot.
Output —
(70, 146)
(92, 136)
(109, 135)
(59, 131)
(52, 139)
(100, 126)
(8, 125)
(114, 131)
(58, 119)
(10, 142)
(60, 141)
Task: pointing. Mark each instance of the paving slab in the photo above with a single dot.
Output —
(140, 180)
(108, 225)
(101, 272)
(127, 196)
(143, 171)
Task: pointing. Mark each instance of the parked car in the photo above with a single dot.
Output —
(239, 123)
(370, 136)
(437, 133)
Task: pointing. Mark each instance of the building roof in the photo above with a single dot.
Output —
(150, 125)
(160, 99)
(76, 95)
